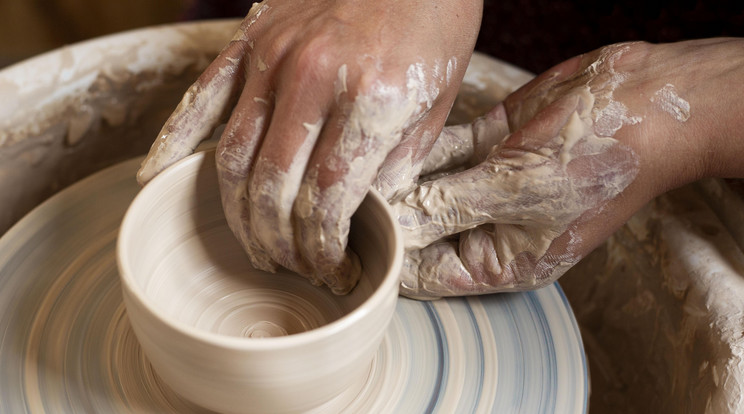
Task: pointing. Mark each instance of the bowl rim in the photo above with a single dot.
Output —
(369, 305)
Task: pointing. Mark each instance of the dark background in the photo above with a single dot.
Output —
(532, 34)
(536, 34)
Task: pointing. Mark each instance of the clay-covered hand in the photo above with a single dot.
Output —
(319, 96)
(592, 140)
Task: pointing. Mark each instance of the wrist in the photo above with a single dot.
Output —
(692, 112)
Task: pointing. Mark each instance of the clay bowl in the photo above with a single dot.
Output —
(234, 339)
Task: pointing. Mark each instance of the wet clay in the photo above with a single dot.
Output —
(670, 102)
(660, 306)
(71, 112)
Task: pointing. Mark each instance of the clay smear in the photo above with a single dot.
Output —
(253, 15)
(339, 85)
(670, 102)
(608, 114)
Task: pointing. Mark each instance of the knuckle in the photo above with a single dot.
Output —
(233, 160)
(373, 83)
(316, 59)
(272, 49)
(254, 14)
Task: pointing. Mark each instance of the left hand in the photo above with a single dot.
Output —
(567, 159)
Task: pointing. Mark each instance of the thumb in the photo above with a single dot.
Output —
(522, 182)
(467, 144)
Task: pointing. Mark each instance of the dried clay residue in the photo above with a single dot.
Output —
(670, 102)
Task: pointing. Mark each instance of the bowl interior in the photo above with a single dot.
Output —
(180, 255)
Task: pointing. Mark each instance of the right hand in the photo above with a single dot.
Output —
(320, 95)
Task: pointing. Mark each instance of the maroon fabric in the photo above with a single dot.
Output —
(216, 9)
(536, 34)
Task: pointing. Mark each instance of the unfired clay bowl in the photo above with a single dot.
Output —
(234, 339)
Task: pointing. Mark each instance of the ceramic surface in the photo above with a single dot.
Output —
(234, 339)
(66, 344)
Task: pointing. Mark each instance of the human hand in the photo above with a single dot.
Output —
(320, 96)
(593, 139)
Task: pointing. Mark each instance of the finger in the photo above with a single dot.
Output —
(235, 155)
(402, 167)
(425, 149)
(503, 257)
(207, 103)
(469, 144)
(346, 160)
(489, 131)
(448, 268)
(527, 101)
(453, 148)
(295, 127)
(433, 272)
(487, 259)
(323, 203)
(468, 266)
(518, 184)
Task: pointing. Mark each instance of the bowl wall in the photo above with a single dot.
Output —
(227, 336)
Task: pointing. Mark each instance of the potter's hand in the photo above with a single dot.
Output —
(594, 139)
(320, 95)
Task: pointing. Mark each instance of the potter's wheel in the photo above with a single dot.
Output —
(66, 344)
